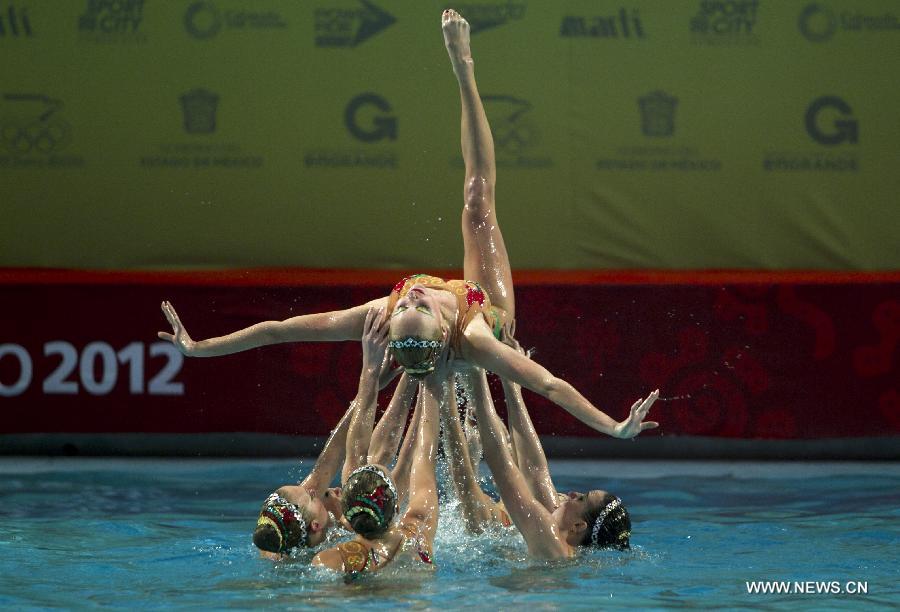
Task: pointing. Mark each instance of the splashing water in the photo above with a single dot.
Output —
(177, 533)
(674, 398)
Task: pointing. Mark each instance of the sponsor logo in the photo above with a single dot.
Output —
(625, 24)
(725, 22)
(199, 107)
(517, 138)
(14, 22)
(514, 131)
(486, 16)
(348, 27)
(112, 21)
(657, 120)
(818, 23)
(842, 129)
(34, 133)
(40, 129)
(658, 114)
(366, 118)
(828, 121)
(203, 20)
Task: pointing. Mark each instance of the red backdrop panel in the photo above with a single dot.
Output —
(734, 357)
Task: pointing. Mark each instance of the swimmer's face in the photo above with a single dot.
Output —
(577, 505)
(318, 520)
(418, 313)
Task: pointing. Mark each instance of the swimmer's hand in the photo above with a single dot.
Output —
(635, 423)
(180, 337)
(388, 374)
(376, 359)
(443, 365)
(507, 337)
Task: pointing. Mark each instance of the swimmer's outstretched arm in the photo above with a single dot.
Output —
(423, 496)
(481, 348)
(402, 468)
(472, 499)
(388, 432)
(335, 448)
(529, 454)
(320, 327)
(530, 517)
(331, 457)
(375, 359)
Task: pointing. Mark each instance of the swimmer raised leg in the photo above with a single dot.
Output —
(427, 314)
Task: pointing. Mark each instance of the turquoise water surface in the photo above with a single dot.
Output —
(78, 533)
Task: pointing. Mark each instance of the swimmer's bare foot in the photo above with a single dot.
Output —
(456, 38)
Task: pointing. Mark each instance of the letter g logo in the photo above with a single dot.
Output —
(844, 130)
(379, 127)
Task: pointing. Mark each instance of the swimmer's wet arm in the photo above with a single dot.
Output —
(361, 423)
(331, 457)
(423, 497)
(530, 455)
(489, 353)
(532, 519)
(404, 457)
(462, 470)
(375, 358)
(320, 327)
(389, 431)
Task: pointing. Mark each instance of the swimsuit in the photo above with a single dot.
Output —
(413, 540)
(358, 558)
(471, 301)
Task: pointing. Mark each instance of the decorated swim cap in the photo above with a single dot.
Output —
(622, 538)
(424, 366)
(281, 515)
(372, 503)
(413, 342)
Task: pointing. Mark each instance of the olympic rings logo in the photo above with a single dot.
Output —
(514, 132)
(21, 137)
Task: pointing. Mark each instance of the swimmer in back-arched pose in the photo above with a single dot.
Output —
(428, 314)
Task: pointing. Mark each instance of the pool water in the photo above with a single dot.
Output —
(119, 533)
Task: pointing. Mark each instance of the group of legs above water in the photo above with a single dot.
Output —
(443, 334)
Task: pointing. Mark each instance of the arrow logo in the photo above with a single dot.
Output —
(374, 20)
(336, 27)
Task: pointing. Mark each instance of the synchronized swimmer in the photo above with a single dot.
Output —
(440, 332)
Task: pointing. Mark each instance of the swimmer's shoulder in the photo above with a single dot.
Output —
(271, 556)
(330, 558)
(477, 335)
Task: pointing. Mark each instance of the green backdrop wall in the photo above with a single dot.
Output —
(687, 134)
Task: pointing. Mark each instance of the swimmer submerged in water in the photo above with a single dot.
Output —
(480, 511)
(301, 515)
(553, 526)
(428, 314)
(371, 500)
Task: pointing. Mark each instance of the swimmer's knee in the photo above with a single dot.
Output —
(479, 195)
